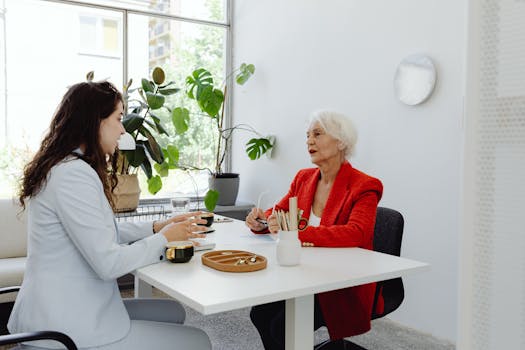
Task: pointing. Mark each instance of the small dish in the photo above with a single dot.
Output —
(234, 261)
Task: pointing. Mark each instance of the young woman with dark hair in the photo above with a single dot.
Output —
(76, 250)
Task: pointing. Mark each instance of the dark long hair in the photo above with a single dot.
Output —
(76, 122)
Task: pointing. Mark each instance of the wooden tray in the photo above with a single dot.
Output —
(231, 261)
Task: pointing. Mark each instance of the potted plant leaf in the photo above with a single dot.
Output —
(143, 123)
(211, 99)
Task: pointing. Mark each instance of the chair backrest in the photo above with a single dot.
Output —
(388, 234)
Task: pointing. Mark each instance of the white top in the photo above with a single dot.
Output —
(314, 219)
(74, 258)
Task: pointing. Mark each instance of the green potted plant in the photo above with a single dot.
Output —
(211, 101)
(144, 126)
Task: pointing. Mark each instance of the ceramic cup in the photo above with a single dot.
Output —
(208, 217)
(179, 251)
(288, 248)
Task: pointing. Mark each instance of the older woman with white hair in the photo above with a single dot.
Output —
(340, 203)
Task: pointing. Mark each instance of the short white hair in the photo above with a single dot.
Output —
(338, 126)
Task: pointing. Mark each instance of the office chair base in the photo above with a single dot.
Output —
(341, 344)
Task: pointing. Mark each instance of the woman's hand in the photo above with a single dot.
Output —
(273, 225)
(183, 230)
(253, 223)
(159, 225)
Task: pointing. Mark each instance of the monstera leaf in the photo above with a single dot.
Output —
(257, 147)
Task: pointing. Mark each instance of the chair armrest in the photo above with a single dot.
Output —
(22, 337)
(6, 290)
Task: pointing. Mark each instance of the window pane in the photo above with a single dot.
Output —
(88, 33)
(40, 65)
(179, 47)
(111, 36)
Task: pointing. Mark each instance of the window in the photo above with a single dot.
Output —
(39, 68)
(178, 47)
(99, 36)
(88, 33)
(110, 35)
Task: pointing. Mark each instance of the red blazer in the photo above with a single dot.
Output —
(348, 220)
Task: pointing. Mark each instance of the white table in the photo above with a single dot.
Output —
(322, 269)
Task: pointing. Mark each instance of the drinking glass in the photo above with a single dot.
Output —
(180, 205)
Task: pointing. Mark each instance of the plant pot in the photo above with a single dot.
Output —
(127, 193)
(227, 184)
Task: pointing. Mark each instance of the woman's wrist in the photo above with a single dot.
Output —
(157, 226)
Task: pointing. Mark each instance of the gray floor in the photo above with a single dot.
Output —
(234, 331)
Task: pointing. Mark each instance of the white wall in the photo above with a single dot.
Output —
(342, 55)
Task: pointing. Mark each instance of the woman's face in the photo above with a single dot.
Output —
(321, 146)
(110, 130)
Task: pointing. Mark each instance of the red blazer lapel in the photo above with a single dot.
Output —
(306, 194)
(338, 195)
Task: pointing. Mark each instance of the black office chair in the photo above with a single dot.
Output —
(388, 234)
(30, 336)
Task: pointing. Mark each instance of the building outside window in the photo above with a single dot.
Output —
(37, 66)
(99, 36)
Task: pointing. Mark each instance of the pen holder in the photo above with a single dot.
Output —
(288, 248)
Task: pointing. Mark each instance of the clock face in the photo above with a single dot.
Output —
(415, 79)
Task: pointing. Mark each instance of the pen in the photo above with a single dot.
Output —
(262, 221)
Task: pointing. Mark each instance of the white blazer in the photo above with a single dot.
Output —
(75, 254)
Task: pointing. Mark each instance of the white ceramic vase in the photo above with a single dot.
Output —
(288, 248)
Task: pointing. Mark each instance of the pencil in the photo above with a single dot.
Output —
(293, 213)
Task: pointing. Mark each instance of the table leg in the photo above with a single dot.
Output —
(299, 323)
(142, 289)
